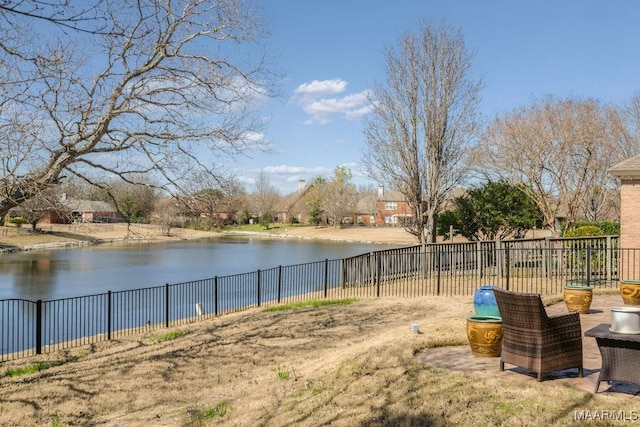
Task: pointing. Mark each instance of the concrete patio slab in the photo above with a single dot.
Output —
(460, 358)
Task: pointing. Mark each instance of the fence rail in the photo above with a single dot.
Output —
(543, 266)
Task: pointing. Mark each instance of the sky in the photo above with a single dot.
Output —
(331, 54)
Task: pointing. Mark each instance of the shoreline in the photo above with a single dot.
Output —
(70, 236)
(332, 237)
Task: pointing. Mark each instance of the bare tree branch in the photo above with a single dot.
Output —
(170, 90)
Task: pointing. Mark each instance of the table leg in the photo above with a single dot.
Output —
(619, 361)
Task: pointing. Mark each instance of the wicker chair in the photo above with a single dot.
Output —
(535, 341)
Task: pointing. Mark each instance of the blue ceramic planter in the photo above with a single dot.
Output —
(485, 302)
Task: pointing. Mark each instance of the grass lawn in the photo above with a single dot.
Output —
(345, 363)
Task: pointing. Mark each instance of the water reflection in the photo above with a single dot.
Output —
(83, 271)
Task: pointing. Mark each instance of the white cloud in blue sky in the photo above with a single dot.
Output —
(321, 87)
(318, 101)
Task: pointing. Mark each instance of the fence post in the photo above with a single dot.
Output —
(609, 255)
(279, 283)
(109, 315)
(378, 273)
(326, 276)
(438, 259)
(506, 265)
(39, 326)
(258, 290)
(545, 254)
(215, 296)
(479, 264)
(497, 253)
(588, 272)
(371, 270)
(166, 305)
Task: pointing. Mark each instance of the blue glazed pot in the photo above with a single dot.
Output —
(485, 302)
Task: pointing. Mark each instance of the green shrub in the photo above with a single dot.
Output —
(266, 219)
(17, 221)
(584, 231)
(609, 228)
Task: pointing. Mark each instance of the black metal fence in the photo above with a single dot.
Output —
(543, 266)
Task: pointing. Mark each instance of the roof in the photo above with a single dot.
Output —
(287, 202)
(88, 206)
(628, 169)
(366, 205)
(392, 196)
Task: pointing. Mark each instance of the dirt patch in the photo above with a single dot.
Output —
(60, 235)
(391, 235)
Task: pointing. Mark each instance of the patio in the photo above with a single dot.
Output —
(460, 358)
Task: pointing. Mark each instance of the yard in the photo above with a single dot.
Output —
(343, 364)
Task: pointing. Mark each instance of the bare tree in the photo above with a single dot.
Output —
(424, 118)
(340, 195)
(629, 126)
(169, 215)
(212, 202)
(264, 196)
(134, 201)
(164, 88)
(79, 16)
(560, 150)
(45, 204)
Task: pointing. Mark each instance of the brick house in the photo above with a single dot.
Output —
(366, 211)
(628, 171)
(392, 209)
(76, 210)
(92, 211)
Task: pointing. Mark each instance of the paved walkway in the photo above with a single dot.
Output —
(460, 358)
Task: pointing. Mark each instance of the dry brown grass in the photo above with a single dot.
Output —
(58, 235)
(341, 365)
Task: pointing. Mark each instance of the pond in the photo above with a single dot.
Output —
(63, 273)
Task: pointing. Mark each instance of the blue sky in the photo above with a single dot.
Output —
(331, 54)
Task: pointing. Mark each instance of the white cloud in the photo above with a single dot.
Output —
(295, 170)
(350, 106)
(321, 87)
(315, 100)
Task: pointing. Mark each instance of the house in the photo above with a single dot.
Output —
(392, 209)
(292, 208)
(66, 211)
(366, 210)
(91, 211)
(628, 171)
